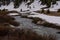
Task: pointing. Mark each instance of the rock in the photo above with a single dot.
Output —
(58, 32)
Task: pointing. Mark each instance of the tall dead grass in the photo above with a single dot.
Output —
(27, 35)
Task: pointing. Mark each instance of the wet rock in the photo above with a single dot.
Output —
(58, 32)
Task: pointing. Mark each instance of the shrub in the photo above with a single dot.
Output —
(48, 11)
(58, 10)
(42, 11)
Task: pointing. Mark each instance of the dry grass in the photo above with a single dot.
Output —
(26, 35)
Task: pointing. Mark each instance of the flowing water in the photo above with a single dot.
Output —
(26, 23)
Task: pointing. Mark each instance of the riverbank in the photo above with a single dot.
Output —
(46, 20)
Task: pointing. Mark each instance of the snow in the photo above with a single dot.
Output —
(9, 7)
(23, 6)
(36, 5)
(55, 7)
(13, 14)
(50, 19)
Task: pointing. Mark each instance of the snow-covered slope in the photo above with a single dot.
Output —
(9, 7)
(55, 7)
(36, 5)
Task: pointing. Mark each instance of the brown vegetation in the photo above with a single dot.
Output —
(58, 10)
(26, 35)
(4, 18)
(39, 21)
(5, 22)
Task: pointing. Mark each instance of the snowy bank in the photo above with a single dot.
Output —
(12, 14)
(50, 19)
